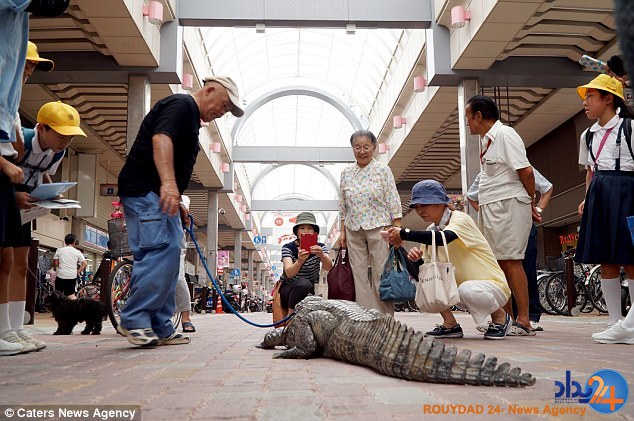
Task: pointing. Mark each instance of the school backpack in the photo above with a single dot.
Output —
(29, 134)
(626, 125)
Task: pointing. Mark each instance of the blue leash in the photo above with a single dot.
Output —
(217, 288)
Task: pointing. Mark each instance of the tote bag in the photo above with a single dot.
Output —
(437, 289)
(340, 280)
(395, 280)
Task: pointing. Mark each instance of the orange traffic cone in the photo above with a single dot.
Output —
(219, 306)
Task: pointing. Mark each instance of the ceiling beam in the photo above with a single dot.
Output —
(294, 205)
(295, 155)
(408, 14)
(94, 67)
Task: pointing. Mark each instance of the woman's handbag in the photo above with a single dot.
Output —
(437, 289)
(279, 312)
(630, 224)
(340, 280)
(396, 284)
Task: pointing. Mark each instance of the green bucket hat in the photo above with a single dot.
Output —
(306, 218)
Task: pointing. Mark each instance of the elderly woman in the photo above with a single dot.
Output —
(369, 202)
(481, 283)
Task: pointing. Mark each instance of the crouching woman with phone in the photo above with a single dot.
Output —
(301, 267)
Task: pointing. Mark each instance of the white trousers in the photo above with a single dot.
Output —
(481, 298)
(181, 294)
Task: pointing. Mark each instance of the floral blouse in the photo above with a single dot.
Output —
(368, 197)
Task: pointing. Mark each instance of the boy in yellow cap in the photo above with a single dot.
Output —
(45, 145)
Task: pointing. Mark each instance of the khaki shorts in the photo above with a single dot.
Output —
(506, 225)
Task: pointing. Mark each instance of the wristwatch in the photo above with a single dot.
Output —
(538, 209)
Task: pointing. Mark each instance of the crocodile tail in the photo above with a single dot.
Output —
(435, 363)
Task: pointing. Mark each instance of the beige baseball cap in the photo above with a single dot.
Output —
(232, 90)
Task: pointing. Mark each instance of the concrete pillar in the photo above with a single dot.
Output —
(212, 232)
(139, 96)
(469, 144)
(237, 254)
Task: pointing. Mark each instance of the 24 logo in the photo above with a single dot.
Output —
(606, 391)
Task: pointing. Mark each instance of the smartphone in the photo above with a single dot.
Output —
(385, 235)
(306, 241)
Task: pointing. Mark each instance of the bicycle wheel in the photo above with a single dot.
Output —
(542, 281)
(596, 292)
(557, 293)
(90, 291)
(118, 291)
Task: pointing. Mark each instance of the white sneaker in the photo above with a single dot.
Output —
(617, 334)
(9, 348)
(26, 337)
(11, 336)
(613, 322)
(536, 327)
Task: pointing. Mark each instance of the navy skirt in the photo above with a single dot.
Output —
(604, 236)
(10, 221)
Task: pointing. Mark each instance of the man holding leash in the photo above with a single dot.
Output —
(157, 171)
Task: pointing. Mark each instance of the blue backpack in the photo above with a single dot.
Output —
(29, 134)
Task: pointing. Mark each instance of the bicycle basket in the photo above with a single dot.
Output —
(118, 232)
(554, 264)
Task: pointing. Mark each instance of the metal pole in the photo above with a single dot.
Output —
(31, 280)
(571, 291)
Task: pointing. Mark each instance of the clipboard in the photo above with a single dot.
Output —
(306, 241)
(47, 191)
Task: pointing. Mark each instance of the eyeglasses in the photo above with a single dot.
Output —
(364, 149)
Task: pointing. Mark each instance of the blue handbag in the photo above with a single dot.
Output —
(630, 224)
(396, 284)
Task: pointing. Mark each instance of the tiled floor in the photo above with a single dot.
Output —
(221, 375)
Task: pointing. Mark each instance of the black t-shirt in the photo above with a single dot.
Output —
(178, 117)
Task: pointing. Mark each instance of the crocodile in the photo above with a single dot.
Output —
(345, 331)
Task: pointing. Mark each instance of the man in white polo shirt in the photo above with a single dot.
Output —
(506, 192)
(69, 262)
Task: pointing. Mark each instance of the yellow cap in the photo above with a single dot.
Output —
(61, 117)
(604, 83)
(43, 64)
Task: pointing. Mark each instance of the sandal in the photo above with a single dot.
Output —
(188, 327)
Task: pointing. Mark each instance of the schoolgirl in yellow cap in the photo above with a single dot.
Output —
(604, 237)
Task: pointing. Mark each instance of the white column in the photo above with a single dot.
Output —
(212, 232)
(139, 96)
(469, 147)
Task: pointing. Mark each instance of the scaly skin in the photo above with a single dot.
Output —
(345, 331)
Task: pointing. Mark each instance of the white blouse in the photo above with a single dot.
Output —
(607, 158)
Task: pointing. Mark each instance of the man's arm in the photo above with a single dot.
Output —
(528, 180)
(163, 154)
(82, 267)
(55, 264)
(544, 199)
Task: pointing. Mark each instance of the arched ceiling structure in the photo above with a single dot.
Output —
(301, 87)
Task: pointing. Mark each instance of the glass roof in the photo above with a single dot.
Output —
(350, 67)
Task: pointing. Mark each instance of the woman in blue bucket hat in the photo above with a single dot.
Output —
(481, 283)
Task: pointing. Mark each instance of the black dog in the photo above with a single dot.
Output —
(68, 313)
